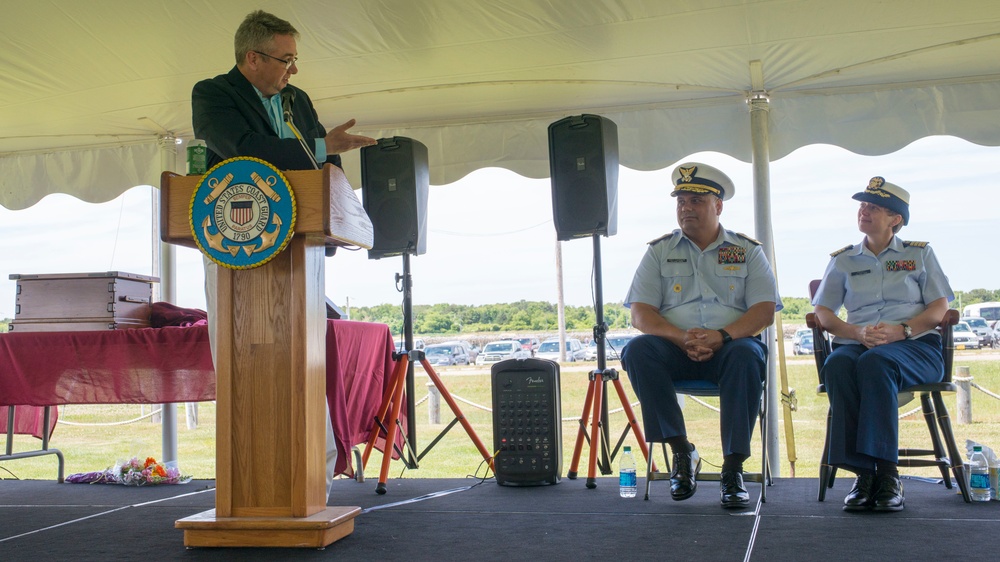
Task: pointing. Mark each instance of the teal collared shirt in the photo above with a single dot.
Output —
(272, 105)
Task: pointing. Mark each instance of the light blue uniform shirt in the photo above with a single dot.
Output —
(272, 105)
(892, 287)
(703, 289)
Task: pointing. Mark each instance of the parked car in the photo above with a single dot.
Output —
(798, 335)
(981, 328)
(804, 346)
(500, 351)
(417, 344)
(529, 344)
(449, 353)
(964, 337)
(549, 349)
(473, 352)
(613, 346)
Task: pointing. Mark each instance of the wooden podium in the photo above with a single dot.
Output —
(270, 378)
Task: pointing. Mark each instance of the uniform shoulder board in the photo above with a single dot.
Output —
(842, 250)
(748, 239)
(914, 244)
(661, 238)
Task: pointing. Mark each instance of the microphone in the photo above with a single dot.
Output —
(287, 99)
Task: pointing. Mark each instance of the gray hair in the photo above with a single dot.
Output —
(257, 31)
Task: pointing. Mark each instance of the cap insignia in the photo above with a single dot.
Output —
(688, 173)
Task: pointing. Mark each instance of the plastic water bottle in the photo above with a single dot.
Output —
(979, 476)
(626, 474)
(197, 157)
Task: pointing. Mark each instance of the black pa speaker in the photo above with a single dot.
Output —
(527, 424)
(394, 184)
(583, 165)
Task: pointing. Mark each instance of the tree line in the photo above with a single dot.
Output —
(518, 317)
(541, 317)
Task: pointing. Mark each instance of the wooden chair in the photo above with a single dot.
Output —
(932, 405)
(705, 388)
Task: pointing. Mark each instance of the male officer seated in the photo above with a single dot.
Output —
(700, 296)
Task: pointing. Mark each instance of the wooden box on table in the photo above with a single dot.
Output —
(73, 302)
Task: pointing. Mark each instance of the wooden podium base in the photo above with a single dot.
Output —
(315, 531)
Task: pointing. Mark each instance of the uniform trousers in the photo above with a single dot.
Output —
(862, 385)
(738, 368)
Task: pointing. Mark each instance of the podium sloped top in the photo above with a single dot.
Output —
(325, 203)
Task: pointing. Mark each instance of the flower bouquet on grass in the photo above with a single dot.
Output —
(133, 472)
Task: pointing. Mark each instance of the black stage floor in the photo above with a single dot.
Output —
(458, 519)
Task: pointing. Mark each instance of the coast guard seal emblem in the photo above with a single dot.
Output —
(242, 213)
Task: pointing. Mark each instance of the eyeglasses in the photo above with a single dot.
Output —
(288, 63)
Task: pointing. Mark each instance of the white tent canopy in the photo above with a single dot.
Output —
(93, 87)
(97, 92)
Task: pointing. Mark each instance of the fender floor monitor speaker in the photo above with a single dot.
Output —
(394, 184)
(527, 430)
(583, 165)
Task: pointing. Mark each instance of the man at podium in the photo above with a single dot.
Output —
(253, 111)
(246, 111)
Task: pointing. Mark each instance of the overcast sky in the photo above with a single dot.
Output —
(491, 238)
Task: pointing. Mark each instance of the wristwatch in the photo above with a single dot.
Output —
(726, 338)
(907, 331)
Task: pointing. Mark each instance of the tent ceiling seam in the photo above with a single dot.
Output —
(904, 54)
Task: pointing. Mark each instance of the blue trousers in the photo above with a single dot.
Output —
(862, 385)
(739, 368)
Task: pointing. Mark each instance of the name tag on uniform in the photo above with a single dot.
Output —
(862, 272)
(677, 260)
(901, 265)
(732, 254)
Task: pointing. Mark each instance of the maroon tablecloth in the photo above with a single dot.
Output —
(174, 364)
(359, 367)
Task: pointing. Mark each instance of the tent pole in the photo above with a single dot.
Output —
(560, 302)
(759, 109)
(164, 269)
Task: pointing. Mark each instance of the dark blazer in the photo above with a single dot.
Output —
(228, 115)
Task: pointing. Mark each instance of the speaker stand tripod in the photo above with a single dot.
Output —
(595, 404)
(387, 421)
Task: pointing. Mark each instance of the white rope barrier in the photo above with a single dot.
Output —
(987, 392)
(473, 404)
(705, 404)
(573, 419)
(126, 422)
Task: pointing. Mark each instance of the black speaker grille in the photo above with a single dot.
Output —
(527, 430)
(583, 162)
(394, 186)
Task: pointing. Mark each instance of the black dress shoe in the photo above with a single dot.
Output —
(888, 495)
(682, 478)
(860, 496)
(734, 493)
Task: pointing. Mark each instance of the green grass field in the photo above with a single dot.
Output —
(94, 437)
